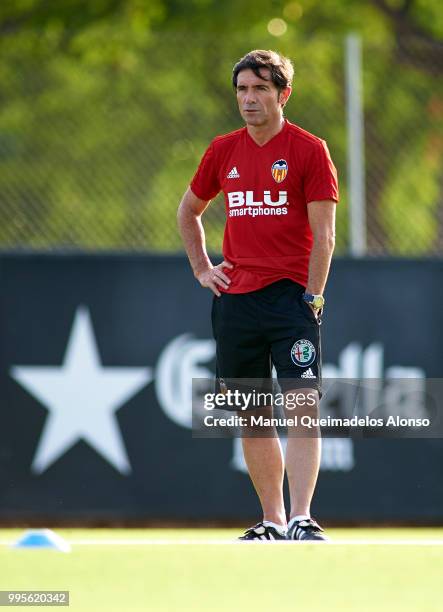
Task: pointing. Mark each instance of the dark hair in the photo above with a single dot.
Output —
(281, 68)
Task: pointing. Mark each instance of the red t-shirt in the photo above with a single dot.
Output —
(267, 190)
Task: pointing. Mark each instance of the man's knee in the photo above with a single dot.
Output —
(302, 412)
(257, 423)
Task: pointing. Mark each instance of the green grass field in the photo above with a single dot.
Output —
(201, 570)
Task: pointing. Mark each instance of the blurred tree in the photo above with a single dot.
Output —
(107, 105)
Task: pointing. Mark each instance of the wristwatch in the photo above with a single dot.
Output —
(316, 301)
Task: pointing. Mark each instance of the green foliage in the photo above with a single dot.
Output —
(410, 201)
(107, 106)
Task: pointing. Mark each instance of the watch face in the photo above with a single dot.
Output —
(318, 301)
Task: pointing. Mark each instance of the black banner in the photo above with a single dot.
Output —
(98, 354)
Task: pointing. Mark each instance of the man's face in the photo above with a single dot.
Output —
(259, 100)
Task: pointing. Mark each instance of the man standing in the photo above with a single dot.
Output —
(280, 189)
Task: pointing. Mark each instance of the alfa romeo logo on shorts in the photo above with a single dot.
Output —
(303, 353)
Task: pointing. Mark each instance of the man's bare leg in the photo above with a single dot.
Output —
(303, 454)
(264, 459)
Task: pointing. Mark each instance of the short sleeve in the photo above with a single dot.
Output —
(205, 184)
(320, 180)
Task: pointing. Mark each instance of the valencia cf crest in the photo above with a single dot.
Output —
(279, 170)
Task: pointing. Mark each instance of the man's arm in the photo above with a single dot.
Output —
(321, 217)
(193, 235)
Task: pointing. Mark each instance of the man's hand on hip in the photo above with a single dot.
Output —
(214, 277)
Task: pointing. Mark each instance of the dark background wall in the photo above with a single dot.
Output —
(96, 357)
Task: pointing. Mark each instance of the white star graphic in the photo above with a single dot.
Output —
(82, 397)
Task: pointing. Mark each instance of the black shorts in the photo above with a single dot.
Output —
(272, 326)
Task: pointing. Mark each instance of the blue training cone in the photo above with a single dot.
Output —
(42, 538)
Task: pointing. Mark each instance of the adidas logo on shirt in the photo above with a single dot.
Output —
(233, 173)
(308, 374)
